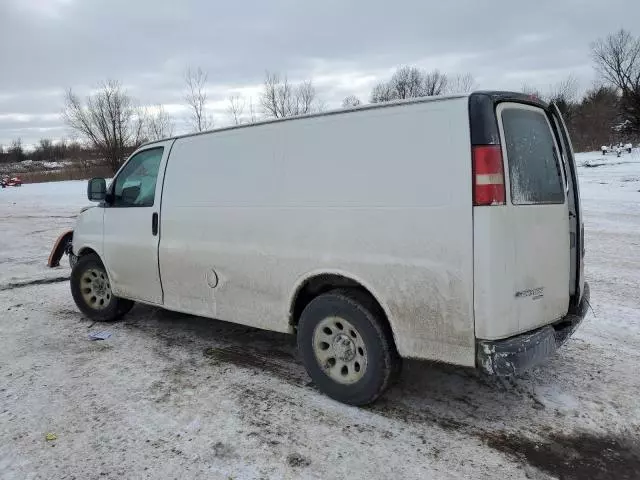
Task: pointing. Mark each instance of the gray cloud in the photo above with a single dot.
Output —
(47, 46)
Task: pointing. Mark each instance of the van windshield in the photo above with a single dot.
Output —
(534, 171)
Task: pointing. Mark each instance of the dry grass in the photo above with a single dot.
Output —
(68, 173)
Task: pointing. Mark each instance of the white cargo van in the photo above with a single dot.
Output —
(443, 228)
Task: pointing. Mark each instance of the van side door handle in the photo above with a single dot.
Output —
(154, 224)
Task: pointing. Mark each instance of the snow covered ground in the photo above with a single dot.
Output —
(171, 395)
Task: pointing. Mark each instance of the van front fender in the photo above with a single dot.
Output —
(61, 246)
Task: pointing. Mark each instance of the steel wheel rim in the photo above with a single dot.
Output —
(96, 289)
(340, 350)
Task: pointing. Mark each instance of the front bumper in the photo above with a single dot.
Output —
(517, 354)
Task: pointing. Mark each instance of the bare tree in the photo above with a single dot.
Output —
(158, 124)
(45, 147)
(280, 99)
(304, 97)
(108, 120)
(60, 149)
(252, 112)
(435, 83)
(617, 58)
(531, 91)
(461, 83)
(351, 101)
(410, 82)
(79, 154)
(235, 109)
(564, 94)
(595, 118)
(274, 95)
(16, 152)
(382, 92)
(564, 91)
(406, 82)
(196, 98)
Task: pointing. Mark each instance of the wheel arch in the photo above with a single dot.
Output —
(84, 246)
(317, 282)
(88, 251)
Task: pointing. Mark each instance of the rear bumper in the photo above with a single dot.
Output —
(517, 354)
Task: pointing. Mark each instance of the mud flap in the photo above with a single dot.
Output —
(60, 247)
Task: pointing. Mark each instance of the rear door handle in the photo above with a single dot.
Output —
(154, 224)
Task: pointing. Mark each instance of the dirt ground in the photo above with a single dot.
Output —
(175, 396)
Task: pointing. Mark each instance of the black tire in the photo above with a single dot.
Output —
(114, 309)
(383, 364)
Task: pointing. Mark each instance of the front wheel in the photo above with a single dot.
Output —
(347, 347)
(91, 290)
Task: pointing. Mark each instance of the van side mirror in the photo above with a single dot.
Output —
(97, 189)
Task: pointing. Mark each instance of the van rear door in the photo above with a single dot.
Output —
(576, 223)
(521, 247)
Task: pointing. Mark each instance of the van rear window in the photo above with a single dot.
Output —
(534, 172)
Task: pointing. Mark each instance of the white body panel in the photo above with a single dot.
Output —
(131, 248)
(88, 232)
(122, 237)
(382, 196)
(131, 254)
(521, 257)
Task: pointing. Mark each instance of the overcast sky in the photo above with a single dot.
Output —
(345, 46)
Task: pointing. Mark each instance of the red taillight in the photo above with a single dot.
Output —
(488, 175)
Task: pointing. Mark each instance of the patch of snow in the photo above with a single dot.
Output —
(218, 400)
(53, 164)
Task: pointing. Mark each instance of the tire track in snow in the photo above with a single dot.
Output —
(29, 283)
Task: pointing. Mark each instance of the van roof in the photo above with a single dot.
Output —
(370, 106)
(494, 95)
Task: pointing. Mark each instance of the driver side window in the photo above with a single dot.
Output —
(135, 185)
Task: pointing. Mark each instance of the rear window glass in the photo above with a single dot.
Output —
(533, 167)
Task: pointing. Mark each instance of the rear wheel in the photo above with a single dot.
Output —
(347, 347)
(91, 291)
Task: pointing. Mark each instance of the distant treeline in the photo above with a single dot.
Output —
(111, 125)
